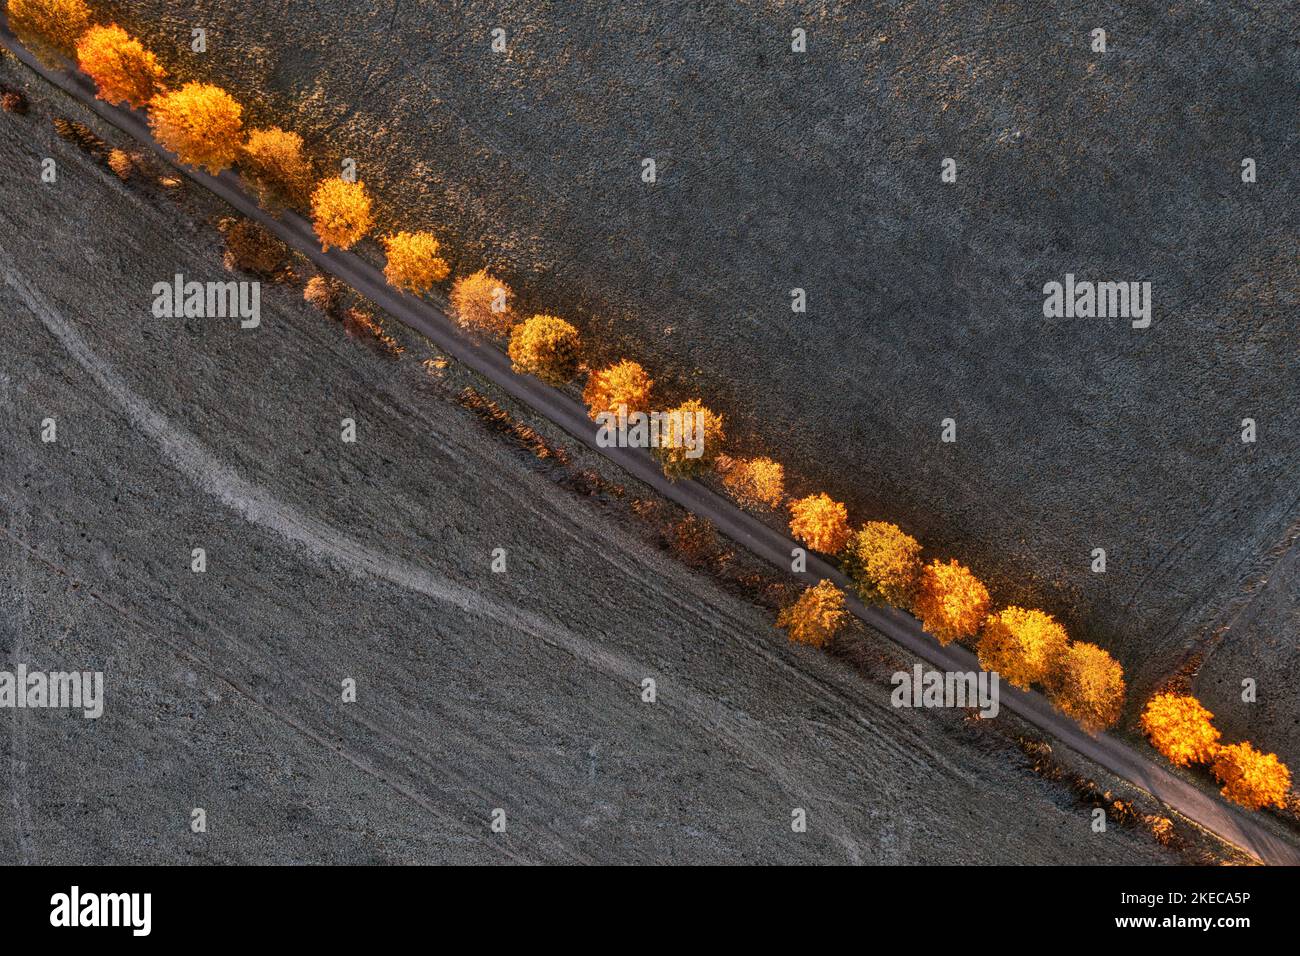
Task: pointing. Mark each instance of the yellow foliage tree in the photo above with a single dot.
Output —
(885, 563)
(481, 303)
(1089, 686)
(950, 601)
(272, 162)
(756, 482)
(122, 69)
(816, 616)
(623, 383)
(340, 213)
(547, 347)
(691, 429)
(1023, 646)
(820, 522)
(1251, 778)
(413, 261)
(49, 26)
(1179, 727)
(200, 123)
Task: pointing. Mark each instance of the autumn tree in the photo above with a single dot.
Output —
(340, 212)
(122, 69)
(624, 383)
(413, 261)
(884, 563)
(547, 347)
(690, 439)
(1251, 778)
(1023, 646)
(272, 162)
(820, 522)
(11, 101)
(360, 323)
(755, 482)
(1179, 727)
(324, 292)
(251, 248)
(200, 123)
(121, 163)
(49, 27)
(1089, 686)
(950, 601)
(481, 303)
(816, 616)
(694, 540)
(81, 136)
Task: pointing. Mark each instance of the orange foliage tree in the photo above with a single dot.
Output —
(884, 563)
(755, 482)
(950, 601)
(820, 522)
(1023, 646)
(1089, 686)
(340, 213)
(1251, 778)
(1179, 727)
(413, 261)
(481, 303)
(816, 616)
(49, 26)
(690, 424)
(623, 383)
(200, 123)
(122, 69)
(273, 163)
(547, 347)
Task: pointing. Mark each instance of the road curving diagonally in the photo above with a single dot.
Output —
(1189, 800)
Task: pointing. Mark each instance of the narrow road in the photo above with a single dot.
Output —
(1202, 808)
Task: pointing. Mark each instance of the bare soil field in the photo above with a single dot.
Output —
(821, 171)
(1260, 645)
(370, 561)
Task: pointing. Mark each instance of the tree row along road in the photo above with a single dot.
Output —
(1204, 809)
